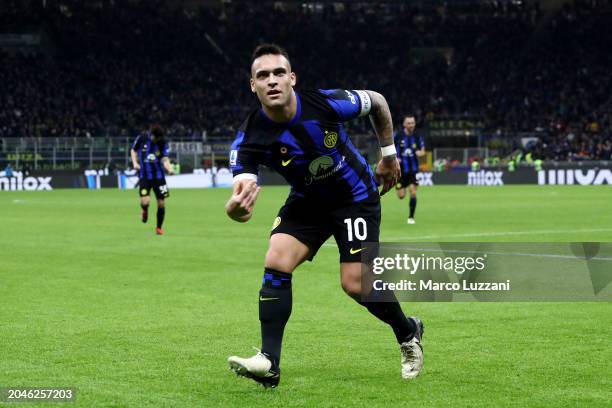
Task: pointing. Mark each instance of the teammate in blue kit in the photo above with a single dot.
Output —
(409, 147)
(333, 192)
(149, 152)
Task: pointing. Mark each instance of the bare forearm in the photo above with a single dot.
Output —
(134, 157)
(167, 165)
(380, 116)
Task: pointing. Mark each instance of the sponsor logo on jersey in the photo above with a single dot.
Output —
(150, 157)
(322, 167)
(330, 139)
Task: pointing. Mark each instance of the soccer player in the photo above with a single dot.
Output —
(333, 192)
(410, 148)
(149, 152)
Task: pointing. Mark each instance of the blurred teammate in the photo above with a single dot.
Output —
(333, 192)
(149, 152)
(410, 147)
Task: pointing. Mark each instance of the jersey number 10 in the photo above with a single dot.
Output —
(357, 227)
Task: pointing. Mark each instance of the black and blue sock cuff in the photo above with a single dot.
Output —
(276, 279)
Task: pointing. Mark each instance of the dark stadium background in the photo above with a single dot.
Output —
(514, 77)
(91, 298)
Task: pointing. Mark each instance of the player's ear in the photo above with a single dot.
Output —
(293, 78)
(252, 85)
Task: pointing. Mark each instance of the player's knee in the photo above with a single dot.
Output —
(161, 204)
(279, 260)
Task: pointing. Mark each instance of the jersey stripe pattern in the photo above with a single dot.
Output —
(312, 151)
(150, 155)
(406, 146)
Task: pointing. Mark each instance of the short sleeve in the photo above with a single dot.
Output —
(165, 150)
(137, 143)
(421, 143)
(397, 141)
(348, 104)
(243, 160)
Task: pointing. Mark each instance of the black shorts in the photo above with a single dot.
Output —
(312, 223)
(406, 180)
(160, 188)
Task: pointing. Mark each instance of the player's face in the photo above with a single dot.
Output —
(409, 124)
(272, 80)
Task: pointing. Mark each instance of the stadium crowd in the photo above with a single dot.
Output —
(110, 66)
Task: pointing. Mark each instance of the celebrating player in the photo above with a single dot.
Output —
(410, 148)
(149, 151)
(333, 192)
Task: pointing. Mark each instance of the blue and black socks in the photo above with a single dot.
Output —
(161, 212)
(275, 300)
(413, 203)
(390, 312)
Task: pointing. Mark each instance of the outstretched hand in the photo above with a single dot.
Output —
(240, 205)
(387, 173)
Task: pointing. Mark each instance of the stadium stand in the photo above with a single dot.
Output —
(107, 68)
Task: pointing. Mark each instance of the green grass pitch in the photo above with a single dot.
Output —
(90, 298)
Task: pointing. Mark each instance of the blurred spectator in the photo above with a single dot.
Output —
(113, 66)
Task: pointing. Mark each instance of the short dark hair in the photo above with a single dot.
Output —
(157, 131)
(409, 115)
(265, 49)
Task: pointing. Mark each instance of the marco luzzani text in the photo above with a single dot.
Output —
(461, 266)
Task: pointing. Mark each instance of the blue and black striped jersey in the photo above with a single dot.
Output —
(406, 146)
(312, 151)
(150, 155)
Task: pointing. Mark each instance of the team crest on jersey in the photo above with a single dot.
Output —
(283, 150)
(276, 222)
(330, 139)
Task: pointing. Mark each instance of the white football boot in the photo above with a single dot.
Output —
(257, 368)
(412, 353)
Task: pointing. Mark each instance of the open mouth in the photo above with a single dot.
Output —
(273, 92)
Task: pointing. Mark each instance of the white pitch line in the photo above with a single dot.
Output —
(482, 234)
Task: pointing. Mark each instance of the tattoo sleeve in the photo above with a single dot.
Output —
(380, 116)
